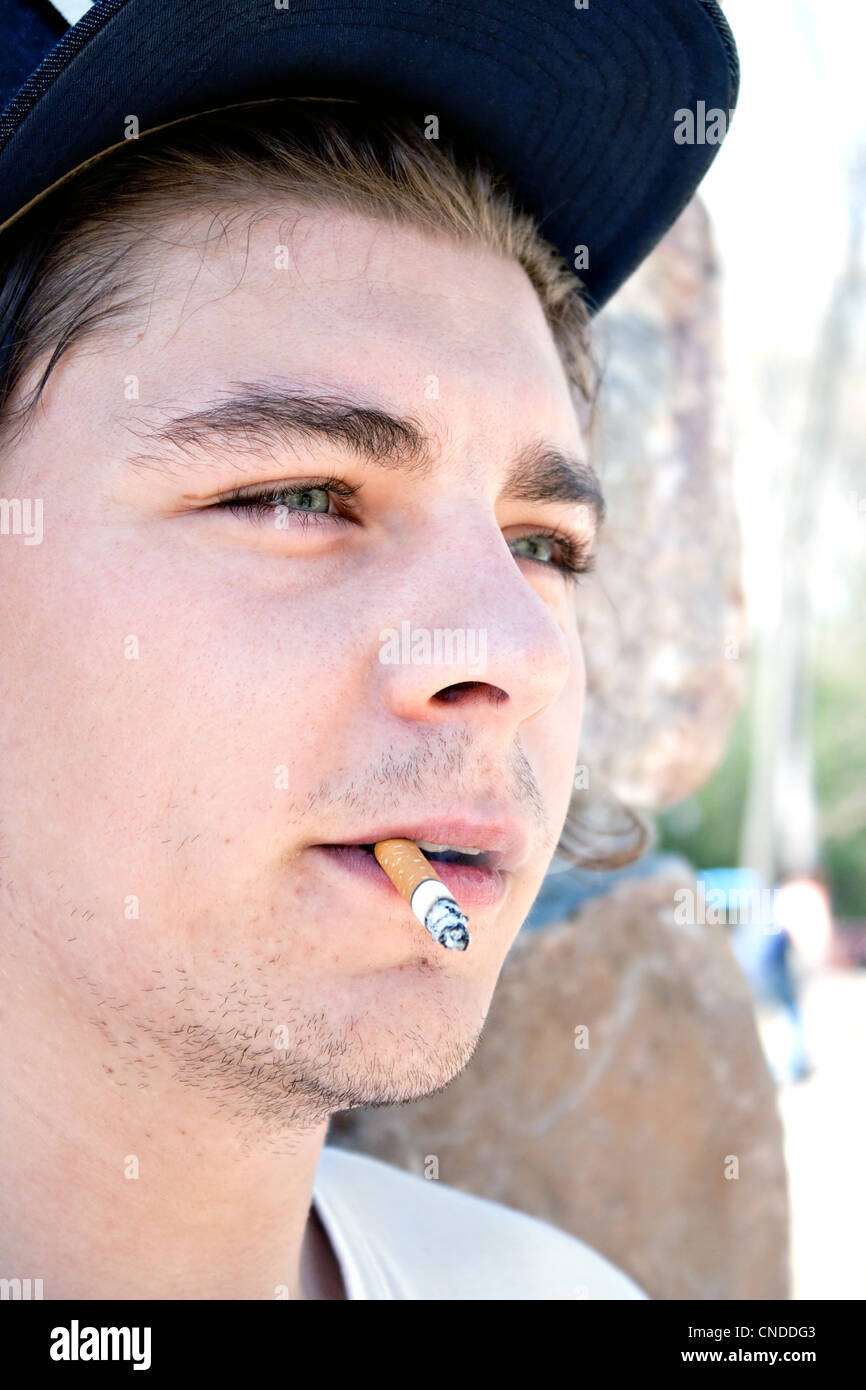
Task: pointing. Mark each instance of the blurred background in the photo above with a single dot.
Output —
(673, 1065)
(788, 802)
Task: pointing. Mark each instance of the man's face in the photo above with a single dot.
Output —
(197, 698)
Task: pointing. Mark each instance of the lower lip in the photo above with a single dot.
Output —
(470, 886)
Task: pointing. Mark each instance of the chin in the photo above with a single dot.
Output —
(418, 1073)
(391, 1060)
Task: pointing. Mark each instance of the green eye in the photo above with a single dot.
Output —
(552, 550)
(283, 500)
(308, 499)
(566, 555)
(538, 547)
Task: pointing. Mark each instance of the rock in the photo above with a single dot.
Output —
(626, 1142)
(662, 622)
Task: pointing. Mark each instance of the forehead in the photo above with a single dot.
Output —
(452, 328)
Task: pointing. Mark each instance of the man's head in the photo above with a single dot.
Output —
(197, 696)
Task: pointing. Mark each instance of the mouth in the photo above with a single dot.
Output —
(475, 880)
(464, 840)
(474, 852)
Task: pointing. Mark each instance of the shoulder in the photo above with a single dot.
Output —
(443, 1239)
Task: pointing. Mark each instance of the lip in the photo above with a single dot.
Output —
(471, 886)
(504, 840)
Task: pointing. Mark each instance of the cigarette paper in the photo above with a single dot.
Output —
(418, 882)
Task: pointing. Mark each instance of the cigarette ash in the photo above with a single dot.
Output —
(447, 926)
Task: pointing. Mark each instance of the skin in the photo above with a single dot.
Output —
(152, 1037)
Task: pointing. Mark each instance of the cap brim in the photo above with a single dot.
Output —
(577, 106)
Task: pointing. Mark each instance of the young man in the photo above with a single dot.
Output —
(278, 385)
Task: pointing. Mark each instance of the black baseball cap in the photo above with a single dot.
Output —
(577, 101)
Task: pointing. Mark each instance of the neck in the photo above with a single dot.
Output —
(119, 1182)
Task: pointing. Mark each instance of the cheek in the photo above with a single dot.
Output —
(558, 737)
(160, 732)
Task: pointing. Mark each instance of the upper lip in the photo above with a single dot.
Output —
(504, 839)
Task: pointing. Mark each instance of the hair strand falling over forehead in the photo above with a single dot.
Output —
(76, 264)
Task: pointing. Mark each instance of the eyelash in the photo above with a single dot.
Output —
(575, 557)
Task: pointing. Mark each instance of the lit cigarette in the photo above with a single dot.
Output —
(418, 882)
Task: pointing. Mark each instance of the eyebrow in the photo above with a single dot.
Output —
(258, 416)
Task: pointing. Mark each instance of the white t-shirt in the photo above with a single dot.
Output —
(398, 1235)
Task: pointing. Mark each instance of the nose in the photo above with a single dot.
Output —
(470, 636)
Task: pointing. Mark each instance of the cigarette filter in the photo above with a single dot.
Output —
(418, 882)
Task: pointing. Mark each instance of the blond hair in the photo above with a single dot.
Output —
(75, 264)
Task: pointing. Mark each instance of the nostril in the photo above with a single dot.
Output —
(454, 692)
